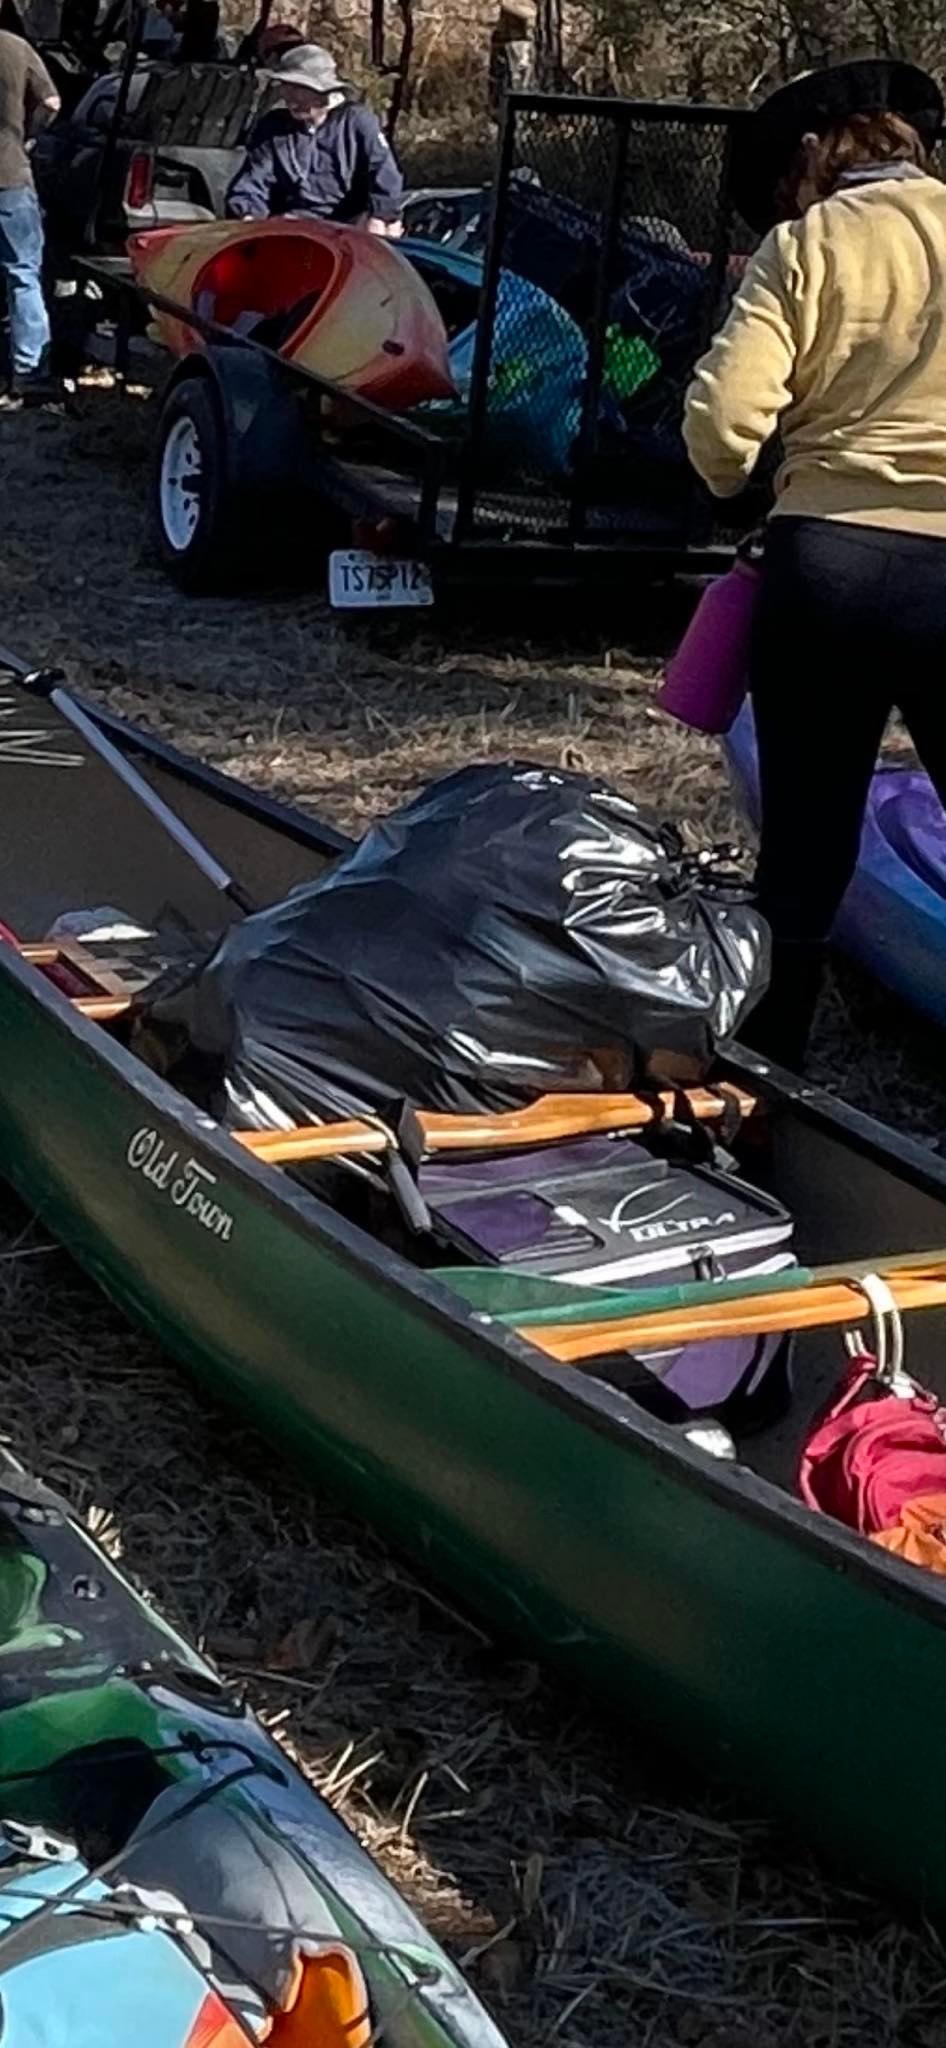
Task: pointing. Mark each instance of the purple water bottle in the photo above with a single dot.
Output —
(705, 682)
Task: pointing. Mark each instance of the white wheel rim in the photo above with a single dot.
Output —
(182, 471)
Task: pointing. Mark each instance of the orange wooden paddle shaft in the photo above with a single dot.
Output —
(810, 1308)
(313, 1141)
(39, 956)
(103, 1009)
(542, 1122)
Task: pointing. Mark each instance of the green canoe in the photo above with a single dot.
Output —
(697, 1597)
(126, 1762)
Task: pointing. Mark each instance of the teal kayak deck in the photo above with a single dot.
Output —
(120, 1739)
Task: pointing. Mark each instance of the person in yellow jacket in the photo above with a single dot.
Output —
(837, 342)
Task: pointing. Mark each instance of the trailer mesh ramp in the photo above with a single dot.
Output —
(614, 254)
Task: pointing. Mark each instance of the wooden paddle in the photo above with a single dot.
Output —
(540, 1123)
(826, 1296)
(529, 1301)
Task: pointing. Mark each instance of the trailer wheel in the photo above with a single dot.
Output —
(202, 538)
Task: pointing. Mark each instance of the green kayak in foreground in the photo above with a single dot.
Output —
(162, 1863)
(696, 1597)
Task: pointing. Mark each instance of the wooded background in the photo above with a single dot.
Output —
(733, 50)
(722, 50)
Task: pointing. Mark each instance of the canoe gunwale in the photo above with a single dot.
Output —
(585, 1400)
(237, 796)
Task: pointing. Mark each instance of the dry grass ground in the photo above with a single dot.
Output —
(598, 1898)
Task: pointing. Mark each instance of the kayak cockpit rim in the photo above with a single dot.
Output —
(589, 1402)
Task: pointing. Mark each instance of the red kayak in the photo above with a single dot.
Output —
(333, 299)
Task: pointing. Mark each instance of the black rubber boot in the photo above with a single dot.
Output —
(38, 387)
(780, 1026)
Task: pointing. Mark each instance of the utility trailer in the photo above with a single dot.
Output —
(613, 218)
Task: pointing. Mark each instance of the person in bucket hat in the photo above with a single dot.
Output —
(835, 342)
(310, 69)
(317, 153)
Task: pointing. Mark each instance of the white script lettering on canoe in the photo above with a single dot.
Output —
(185, 1182)
(32, 746)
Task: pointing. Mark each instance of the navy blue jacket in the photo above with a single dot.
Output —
(338, 171)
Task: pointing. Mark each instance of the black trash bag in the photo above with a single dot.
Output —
(512, 932)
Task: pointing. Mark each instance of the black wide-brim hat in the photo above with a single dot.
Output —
(765, 144)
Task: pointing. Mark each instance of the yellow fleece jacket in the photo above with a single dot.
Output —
(837, 338)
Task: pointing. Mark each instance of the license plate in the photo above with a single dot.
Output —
(358, 578)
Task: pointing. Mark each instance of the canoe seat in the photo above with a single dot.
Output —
(205, 306)
(265, 275)
(272, 330)
(101, 988)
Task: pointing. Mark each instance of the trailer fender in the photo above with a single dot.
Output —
(264, 431)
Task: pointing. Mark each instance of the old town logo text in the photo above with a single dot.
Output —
(185, 1182)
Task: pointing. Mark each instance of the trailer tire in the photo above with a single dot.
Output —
(202, 521)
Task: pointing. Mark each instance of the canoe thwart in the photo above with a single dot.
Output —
(544, 1122)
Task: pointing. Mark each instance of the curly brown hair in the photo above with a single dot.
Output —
(820, 162)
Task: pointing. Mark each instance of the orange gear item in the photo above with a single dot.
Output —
(919, 1536)
(333, 299)
(215, 2026)
(326, 2005)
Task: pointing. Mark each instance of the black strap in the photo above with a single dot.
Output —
(401, 1167)
(681, 1136)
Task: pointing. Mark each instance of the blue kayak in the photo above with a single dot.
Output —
(893, 918)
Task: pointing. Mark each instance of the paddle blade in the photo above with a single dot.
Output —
(531, 1301)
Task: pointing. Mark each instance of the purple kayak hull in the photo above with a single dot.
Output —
(893, 918)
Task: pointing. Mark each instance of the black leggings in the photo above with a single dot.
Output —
(852, 621)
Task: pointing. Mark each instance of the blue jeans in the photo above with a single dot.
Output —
(21, 261)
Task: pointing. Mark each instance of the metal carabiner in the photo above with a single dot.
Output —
(887, 1323)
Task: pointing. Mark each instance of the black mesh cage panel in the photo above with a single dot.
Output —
(613, 255)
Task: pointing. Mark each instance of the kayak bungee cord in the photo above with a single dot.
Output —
(72, 1894)
(400, 1956)
(137, 1909)
(201, 1797)
(137, 1913)
(196, 1749)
